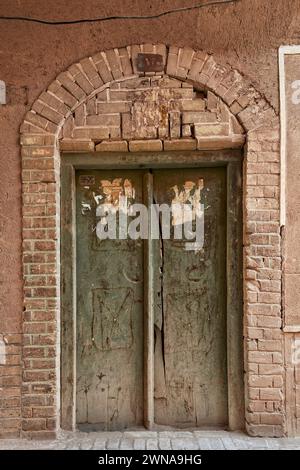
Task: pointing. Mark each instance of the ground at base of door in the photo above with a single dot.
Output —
(153, 440)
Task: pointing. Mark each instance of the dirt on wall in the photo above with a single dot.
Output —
(245, 34)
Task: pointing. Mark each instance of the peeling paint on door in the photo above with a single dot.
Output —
(190, 194)
(190, 308)
(109, 311)
(116, 189)
(189, 291)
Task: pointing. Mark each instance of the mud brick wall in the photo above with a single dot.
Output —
(103, 104)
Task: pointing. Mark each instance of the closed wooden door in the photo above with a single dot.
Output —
(109, 308)
(189, 305)
(190, 315)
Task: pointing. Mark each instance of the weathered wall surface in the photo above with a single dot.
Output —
(75, 108)
(245, 35)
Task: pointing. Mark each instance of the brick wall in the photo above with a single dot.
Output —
(10, 383)
(103, 103)
(151, 113)
(263, 317)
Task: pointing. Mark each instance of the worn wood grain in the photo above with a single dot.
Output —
(68, 298)
(109, 311)
(193, 327)
(234, 297)
(148, 312)
(165, 313)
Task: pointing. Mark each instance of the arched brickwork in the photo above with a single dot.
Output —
(48, 128)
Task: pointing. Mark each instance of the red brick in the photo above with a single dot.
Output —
(271, 418)
(38, 376)
(265, 345)
(33, 424)
(270, 394)
(270, 369)
(256, 406)
(260, 381)
(43, 412)
(34, 352)
(260, 357)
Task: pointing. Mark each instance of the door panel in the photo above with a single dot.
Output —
(109, 308)
(190, 308)
(189, 286)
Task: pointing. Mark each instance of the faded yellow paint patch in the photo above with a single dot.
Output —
(116, 188)
(189, 195)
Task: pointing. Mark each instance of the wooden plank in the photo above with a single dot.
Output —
(148, 312)
(193, 327)
(183, 159)
(109, 304)
(68, 298)
(235, 364)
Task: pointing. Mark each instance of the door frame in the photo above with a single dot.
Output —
(232, 161)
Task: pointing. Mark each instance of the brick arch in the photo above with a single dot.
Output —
(91, 75)
(42, 140)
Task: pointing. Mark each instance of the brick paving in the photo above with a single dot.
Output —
(154, 440)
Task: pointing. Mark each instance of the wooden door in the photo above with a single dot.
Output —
(109, 308)
(190, 312)
(189, 308)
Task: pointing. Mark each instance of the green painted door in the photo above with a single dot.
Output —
(189, 305)
(190, 314)
(109, 308)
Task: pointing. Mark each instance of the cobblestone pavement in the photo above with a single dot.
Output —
(161, 440)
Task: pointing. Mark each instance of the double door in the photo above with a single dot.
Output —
(151, 329)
